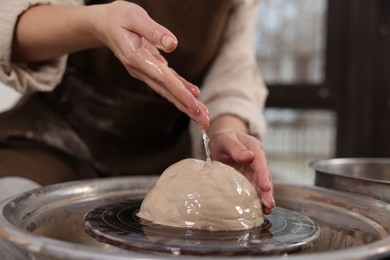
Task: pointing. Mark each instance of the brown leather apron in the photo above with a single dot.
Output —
(100, 114)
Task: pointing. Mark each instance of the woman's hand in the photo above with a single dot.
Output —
(136, 39)
(245, 153)
(45, 32)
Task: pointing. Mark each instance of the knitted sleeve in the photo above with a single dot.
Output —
(234, 85)
(26, 77)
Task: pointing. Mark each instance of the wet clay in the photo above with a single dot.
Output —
(194, 194)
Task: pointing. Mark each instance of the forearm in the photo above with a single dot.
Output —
(48, 31)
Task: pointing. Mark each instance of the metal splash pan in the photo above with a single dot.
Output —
(48, 222)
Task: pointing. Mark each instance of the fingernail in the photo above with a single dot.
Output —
(204, 122)
(196, 110)
(195, 91)
(271, 201)
(207, 121)
(168, 42)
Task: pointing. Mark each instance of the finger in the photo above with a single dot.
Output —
(200, 118)
(263, 177)
(141, 59)
(161, 73)
(154, 51)
(267, 199)
(247, 149)
(267, 211)
(252, 151)
(203, 107)
(191, 87)
(239, 152)
(156, 34)
(259, 164)
(204, 111)
(164, 79)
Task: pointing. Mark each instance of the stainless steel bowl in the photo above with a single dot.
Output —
(48, 222)
(365, 176)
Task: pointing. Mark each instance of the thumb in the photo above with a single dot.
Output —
(152, 31)
(241, 153)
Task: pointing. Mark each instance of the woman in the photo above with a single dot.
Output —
(108, 88)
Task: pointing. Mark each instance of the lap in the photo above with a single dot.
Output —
(42, 164)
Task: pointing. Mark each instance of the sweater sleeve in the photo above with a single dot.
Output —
(234, 85)
(27, 77)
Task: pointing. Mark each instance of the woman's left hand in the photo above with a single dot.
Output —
(245, 153)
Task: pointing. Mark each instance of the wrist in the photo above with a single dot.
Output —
(96, 17)
(90, 24)
(227, 123)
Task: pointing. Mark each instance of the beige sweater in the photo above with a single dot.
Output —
(232, 86)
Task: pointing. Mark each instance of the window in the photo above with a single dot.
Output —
(290, 44)
(290, 40)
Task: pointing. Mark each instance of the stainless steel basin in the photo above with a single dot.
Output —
(366, 176)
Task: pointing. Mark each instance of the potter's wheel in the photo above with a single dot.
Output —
(284, 231)
(48, 222)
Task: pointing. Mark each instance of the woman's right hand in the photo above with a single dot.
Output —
(45, 32)
(136, 39)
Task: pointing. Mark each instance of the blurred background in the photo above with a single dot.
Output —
(325, 63)
(290, 44)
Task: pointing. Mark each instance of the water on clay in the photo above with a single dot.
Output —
(206, 140)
